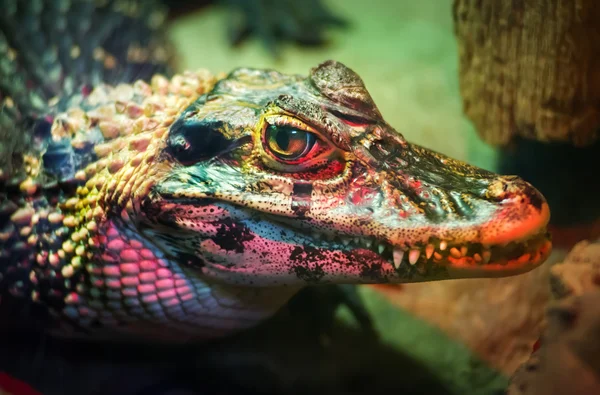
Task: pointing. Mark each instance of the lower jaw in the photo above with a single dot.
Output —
(498, 261)
(494, 269)
(532, 251)
(472, 255)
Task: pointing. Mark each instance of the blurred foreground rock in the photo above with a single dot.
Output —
(568, 360)
(499, 319)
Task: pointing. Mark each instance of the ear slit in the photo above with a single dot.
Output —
(191, 141)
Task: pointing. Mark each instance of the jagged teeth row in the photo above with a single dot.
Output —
(398, 253)
(430, 251)
(355, 241)
(412, 254)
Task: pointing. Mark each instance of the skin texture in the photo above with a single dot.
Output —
(205, 203)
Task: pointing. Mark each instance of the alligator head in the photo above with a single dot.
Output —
(272, 179)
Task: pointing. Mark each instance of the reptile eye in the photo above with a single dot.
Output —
(289, 144)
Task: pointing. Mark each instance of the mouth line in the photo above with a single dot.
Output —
(518, 252)
(439, 251)
(529, 250)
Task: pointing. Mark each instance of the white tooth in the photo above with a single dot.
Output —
(455, 252)
(523, 259)
(381, 248)
(429, 250)
(398, 255)
(443, 245)
(345, 240)
(357, 240)
(368, 242)
(486, 255)
(546, 246)
(413, 256)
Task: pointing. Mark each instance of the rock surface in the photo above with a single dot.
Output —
(568, 360)
(498, 319)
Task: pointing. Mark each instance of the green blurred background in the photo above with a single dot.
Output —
(405, 51)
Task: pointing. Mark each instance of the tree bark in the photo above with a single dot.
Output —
(530, 68)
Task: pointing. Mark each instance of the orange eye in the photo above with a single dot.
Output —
(288, 143)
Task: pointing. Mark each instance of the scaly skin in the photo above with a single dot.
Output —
(208, 203)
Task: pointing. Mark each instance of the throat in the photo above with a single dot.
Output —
(99, 276)
(137, 288)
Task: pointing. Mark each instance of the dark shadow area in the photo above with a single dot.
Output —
(566, 175)
(178, 8)
(283, 356)
(272, 22)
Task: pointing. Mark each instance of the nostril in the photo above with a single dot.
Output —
(501, 189)
(505, 187)
(511, 178)
(508, 187)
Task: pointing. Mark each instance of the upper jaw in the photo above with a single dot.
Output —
(366, 257)
(496, 247)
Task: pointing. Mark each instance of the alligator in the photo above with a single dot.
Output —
(196, 206)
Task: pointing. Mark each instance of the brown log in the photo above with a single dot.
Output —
(530, 68)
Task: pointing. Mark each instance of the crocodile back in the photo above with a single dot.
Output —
(54, 52)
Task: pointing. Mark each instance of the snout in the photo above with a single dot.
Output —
(522, 211)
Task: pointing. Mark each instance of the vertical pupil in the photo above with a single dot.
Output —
(282, 137)
(288, 143)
